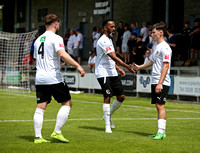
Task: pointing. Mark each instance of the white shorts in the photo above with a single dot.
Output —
(125, 48)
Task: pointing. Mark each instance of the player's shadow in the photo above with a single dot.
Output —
(27, 138)
(139, 133)
(92, 128)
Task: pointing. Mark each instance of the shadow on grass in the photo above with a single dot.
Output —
(139, 133)
(28, 138)
(92, 128)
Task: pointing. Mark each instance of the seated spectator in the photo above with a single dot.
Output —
(91, 61)
(119, 53)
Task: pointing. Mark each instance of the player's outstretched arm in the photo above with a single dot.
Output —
(120, 62)
(145, 65)
(67, 58)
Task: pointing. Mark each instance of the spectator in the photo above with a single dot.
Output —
(78, 47)
(144, 32)
(186, 40)
(195, 46)
(134, 28)
(119, 53)
(132, 41)
(133, 56)
(66, 37)
(70, 43)
(119, 34)
(140, 50)
(91, 61)
(125, 49)
(96, 37)
(148, 39)
(172, 43)
(146, 59)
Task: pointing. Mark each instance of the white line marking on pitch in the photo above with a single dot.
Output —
(89, 102)
(97, 119)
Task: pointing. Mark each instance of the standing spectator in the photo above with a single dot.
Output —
(134, 28)
(96, 37)
(172, 43)
(144, 31)
(195, 46)
(140, 50)
(70, 43)
(66, 37)
(132, 41)
(48, 49)
(125, 48)
(119, 34)
(148, 40)
(186, 40)
(91, 61)
(79, 46)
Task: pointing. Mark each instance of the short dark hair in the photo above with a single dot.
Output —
(51, 18)
(105, 22)
(160, 26)
(187, 22)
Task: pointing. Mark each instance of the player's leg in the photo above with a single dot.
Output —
(43, 98)
(106, 112)
(107, 93)
(159, 100)
(61, 95)
(120, 97)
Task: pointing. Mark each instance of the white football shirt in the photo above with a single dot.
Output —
(47, 58)
(104, 65)
(161, 53)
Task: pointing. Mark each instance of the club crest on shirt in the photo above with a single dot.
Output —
(156, 52)
(108, 91)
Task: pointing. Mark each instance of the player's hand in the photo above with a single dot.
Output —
(81, 71)
(130, 69)
(122, 72)
(136, 67)
(158, 88)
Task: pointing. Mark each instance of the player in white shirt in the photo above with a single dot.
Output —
(160, 60)
(106, 73)
(48, 49)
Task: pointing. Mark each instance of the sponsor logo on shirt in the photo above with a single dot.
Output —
(167, 57)
(61, 45)
(42, 39)
(108, 48)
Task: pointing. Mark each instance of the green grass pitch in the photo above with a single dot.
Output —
(85, 127)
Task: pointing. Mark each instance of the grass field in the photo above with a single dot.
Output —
(85, 127)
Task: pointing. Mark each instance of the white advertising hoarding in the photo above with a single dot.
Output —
(187, 86)
(143, 83)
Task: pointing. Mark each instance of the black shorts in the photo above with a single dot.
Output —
(59, 91)
(160, 97)
(111, 86)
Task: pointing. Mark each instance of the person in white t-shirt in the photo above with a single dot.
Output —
(106, 73)
(96, 37)
(48, 49)
(70, 43)
(144, 31)
(78, 46)
(160, 60)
